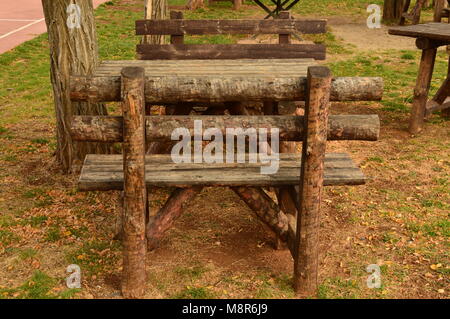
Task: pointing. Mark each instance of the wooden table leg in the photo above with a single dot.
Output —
(446, 112)
(421, 90)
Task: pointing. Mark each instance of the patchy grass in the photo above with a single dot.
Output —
(39, 286)
(399, 220)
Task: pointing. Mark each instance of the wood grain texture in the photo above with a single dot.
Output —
(229, 51)
(71, 51)
(434, 30)
(135, 193)
(421, 90)
(105, 172)
(110, 128)
(204, 27)
(306, 257)
(220, 81)
(172, 209)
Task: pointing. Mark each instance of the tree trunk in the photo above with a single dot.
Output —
(194, 4)
(392, 10)
(73, 50)
(155, 9)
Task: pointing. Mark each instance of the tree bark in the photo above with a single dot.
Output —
(135, 192)
(172, 209)
(194, 4)
(421, 90)
(73, 50)
(265, 208)
(175, 89)
(155, 10)
(306, 259)
(393, 10)
(291, 128)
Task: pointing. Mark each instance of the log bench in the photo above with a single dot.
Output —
(222, 77)
(134, 171)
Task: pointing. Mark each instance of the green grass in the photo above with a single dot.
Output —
(26, 95)
(192, 273)
(338, 288)
(194, 293)
(91, 257)
(39, 286)
(7, 237)
(27, 253)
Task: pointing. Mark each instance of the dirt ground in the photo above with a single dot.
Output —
(217, 248)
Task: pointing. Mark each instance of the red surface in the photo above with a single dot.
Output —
(22, 20)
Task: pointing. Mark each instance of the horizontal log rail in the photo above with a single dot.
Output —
(198, 88)
(229, 51)
(340, 127)
(202, 27)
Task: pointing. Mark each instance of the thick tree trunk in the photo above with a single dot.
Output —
(194, 4)
(73, 50)
(392, 10)
(156, 10)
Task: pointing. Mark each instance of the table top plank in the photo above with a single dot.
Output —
(435, 30)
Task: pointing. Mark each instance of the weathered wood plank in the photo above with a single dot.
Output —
(204, 27)
(219, 88)
(229, 51)
(110, 128)
(435, 30)
(161, 172)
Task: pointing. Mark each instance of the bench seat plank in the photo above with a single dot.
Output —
(105, 172)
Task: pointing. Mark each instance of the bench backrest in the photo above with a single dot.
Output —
(177, 28)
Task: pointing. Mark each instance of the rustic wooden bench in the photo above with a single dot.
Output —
(134, 171)
(177, 28)
(217, 75)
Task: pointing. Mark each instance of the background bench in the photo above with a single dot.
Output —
(177, 28)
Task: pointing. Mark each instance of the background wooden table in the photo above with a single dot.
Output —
(429, 37)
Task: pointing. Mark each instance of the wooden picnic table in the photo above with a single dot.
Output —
(429, 37)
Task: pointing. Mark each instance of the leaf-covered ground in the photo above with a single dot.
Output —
(399, 220)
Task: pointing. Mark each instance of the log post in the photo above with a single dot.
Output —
(422, 88)
(284, 38)
(135, 193)
(176, 39)
(311, 181)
